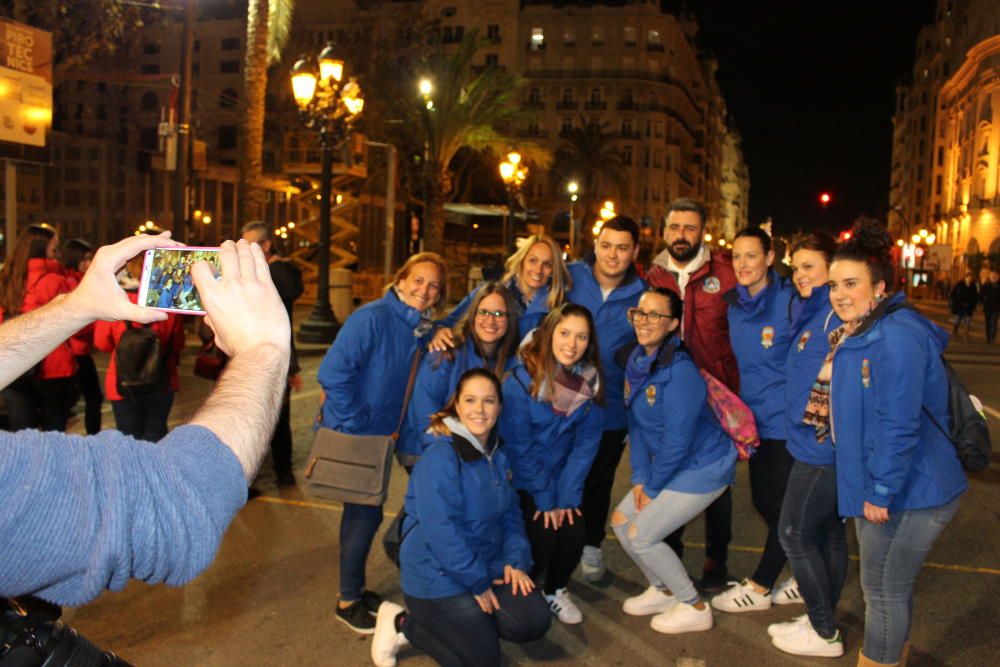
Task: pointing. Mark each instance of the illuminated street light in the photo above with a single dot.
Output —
(426, 87)
(708, 238)
(513, 175)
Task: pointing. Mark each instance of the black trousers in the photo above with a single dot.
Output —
(770, 467)
(555, 553)
(991, 325)
(718, 531)
(42, 404)
(597, 488)
(281, 442)
(90, 387)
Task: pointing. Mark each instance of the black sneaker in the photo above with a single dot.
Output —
(357, 618)
(371, 602)
(285, 478)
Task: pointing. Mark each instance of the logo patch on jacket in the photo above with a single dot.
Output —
(651, 395)
(866, 373)
(712, 285)
(804, 339)
(628, 390)
(767, 337)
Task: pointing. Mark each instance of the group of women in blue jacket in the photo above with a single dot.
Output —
(494, 502)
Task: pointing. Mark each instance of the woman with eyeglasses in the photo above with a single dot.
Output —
(536, 276)
(551, 424)
(485, 337)
(760, 335)
(681, 460)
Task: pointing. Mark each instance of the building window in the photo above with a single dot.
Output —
(150, 69)
(653, 41)
(937, 185)
(595, 94)
(537, 42)
(627, 128)
(101, 112)
(227, 137)
(535, 95)
(657, 160)
(228, 98)
(493, 33)
(149, 101)
(567, 125)
(229, 66)
(150, 49)
(940, 156)
(453, 34)
(597, 35)
(658, 129)
(627, 156)
(72, 198)
(567, 95)
(231, 44)
(492, 59)
(630, 35)
(569, 36)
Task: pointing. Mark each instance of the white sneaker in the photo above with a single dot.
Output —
(564, 608)
(387, 641)
(741, 597)
(805, 641)
(592, 564)
(787, 592)
(788, 627)
(683, 618)
(650, 601)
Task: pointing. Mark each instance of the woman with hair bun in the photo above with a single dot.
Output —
(897, 471)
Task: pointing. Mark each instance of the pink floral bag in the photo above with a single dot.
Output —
(734, 416)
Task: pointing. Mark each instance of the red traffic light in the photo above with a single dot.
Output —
(844, 236)
(825, 198)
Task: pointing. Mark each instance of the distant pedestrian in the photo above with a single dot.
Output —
(76, 257)
(964, 299)
(990, 295)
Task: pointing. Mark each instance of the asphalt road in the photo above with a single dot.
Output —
(269, 597)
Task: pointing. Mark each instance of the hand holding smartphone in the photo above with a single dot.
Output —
(166, 283)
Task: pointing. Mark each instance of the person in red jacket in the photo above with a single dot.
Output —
(31, 277)
(76, 256)
(700, 276)
(143, 417)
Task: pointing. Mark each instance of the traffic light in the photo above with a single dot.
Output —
(844, 236)
(825, 198)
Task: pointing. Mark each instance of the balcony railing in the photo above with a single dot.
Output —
(567, 105)
(595, 105)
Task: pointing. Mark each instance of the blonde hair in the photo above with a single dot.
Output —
(421, 258)
(559, 284)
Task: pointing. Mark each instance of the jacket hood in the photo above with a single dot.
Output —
(897, 306)
(409, 314)
(467, 445)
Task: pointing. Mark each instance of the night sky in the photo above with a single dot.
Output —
(812, 89)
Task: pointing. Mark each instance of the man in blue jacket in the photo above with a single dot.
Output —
(607, 284)
(82, 514)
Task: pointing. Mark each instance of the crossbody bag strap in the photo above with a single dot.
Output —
(418, 355)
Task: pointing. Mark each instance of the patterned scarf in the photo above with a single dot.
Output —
(817, 412)
(426, 324)
(637, 370)
(573, 389)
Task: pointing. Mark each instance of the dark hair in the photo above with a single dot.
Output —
(621, 223)
(32, 243)
(755, 233)
(466, 327)
(539, 361)
(449, 410)
(73, 252)
(870, 243)
(690, 205)
(676, 304)
(257, 226)
(820, 242)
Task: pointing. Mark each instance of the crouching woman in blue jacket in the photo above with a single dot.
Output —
(681, 460)
(552, 427)
(464, 555)
(897, 471)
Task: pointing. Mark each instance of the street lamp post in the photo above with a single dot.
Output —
(572, 188)
(329, 106)
(513, 174)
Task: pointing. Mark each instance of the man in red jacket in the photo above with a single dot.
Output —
(700, 277)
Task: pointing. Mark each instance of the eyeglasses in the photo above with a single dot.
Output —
(495, 314)
(653, 317)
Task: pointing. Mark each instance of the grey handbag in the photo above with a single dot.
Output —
(355, 468)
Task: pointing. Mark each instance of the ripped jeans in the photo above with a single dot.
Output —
(641, 535)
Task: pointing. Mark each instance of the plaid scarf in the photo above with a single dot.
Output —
(817, 412)
(573, 388)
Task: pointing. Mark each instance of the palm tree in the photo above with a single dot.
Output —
(466, 110)
(268, 25)
(589, 155)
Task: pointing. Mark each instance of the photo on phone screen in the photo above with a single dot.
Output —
(166, 282)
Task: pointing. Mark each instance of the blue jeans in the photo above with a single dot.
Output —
(144, 418)
(815, 541)
(891, 557)
(641, 536)
(358, 526)
(457, 633)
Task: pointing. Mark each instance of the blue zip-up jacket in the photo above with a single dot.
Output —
(550, 454)
(530, 314)
(436, 381)
(760, 334)
(463, 521)
(889, 453)
(809, 346)
(675, 441)
(365, 371)
(613, 330)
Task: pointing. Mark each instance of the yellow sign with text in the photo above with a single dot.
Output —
(25, 83)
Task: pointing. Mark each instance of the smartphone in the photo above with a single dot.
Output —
(166, 282)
